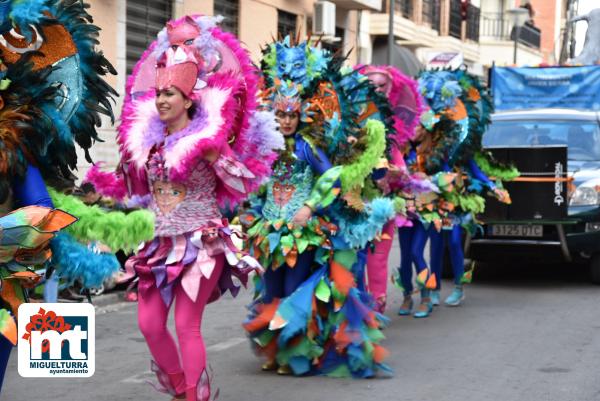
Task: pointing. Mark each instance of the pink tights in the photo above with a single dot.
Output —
(152, 319)
(377, 262)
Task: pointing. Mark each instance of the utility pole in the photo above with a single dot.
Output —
(391, 42)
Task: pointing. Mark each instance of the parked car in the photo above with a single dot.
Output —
(572, 237)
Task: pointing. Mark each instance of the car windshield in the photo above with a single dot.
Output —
(581, 137)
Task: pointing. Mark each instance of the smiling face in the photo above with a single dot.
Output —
(172, 106)
(288, 122)
(168, 195)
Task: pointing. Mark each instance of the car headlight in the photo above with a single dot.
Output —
(585, 196)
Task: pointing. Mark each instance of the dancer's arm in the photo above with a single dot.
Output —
(32, 189)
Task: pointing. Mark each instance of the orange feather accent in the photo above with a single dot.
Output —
(265, 315)
(431, 283)
(379, 353)
(341, 337)
(343, 279)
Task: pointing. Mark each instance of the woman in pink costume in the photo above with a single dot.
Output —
(191, 145)
(405, 102)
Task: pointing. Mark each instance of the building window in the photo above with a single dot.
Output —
(230, 9)
(473, 18)
(144, 20)
(455, 29)
(431, 13)
(405, 8)
(337, 46)
(286, 23)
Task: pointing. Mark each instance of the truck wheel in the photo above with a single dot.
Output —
(595, 268)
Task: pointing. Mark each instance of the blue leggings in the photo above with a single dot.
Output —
(358, 269)
(412, 247)
(284, 281)
(5, 348)
(453, 239)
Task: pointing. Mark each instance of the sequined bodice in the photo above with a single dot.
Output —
(288, 189)
(182, 207)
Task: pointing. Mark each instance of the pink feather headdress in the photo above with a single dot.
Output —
(404, 98)
(226, 118)
(178, 68)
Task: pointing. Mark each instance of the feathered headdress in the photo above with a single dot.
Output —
(403, 96)
(178, 68)
(290, 59)
(55, 69)
(226, 100)
(445, 116)
(283, 96)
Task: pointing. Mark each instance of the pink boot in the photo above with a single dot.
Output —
(169, 383)
(202, 390)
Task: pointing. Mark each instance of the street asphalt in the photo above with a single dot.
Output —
(524, 333)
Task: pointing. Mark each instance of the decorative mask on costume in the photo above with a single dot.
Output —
(49, 55)
(285, 97)
(55, 47)
(289, 188)
(291, 62)
(183, 34)
(283, 193)
(178, 68)
(440, 89)
(178, 206)
(168, 195)
(188, 40)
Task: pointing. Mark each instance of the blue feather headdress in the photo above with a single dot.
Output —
(46, 85)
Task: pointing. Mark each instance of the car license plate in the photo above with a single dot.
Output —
(516, 230)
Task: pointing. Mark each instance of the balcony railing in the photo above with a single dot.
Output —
(498, 26)
(456, 20)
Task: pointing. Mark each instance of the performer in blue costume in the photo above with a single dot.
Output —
(289, 190)
(325, 323)
(458, 113)
(52, 94)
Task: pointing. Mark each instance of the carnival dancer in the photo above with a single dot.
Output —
(291, 199)
(191, 142)
(446, 154)
(405, 104)
(467, 157)
(326, 324)
(49, 66)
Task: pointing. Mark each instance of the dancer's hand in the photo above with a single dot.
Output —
(302, 215)
(502, 195)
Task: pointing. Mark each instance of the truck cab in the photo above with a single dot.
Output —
(571, 235)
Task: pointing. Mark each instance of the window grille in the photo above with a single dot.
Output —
(230, 9)
(144, 19)
(286, 23)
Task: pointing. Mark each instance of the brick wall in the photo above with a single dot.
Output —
(546, 20)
